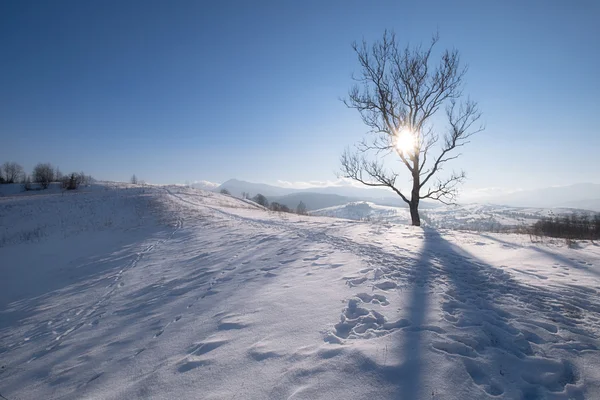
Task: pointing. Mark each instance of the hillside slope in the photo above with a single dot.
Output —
(189, 294)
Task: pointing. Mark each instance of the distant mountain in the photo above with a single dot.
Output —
(361, 210)
(237, 187)
(580, 195)
(313, 201)
(318, 197)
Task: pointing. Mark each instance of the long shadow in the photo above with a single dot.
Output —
(499, 323)
(420, 279)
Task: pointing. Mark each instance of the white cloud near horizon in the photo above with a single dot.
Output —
(206, 184)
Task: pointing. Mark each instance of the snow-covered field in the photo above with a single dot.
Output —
(120, 292)
(477, 217)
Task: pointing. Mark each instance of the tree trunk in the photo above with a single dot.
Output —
(414, 213)
(414, 199)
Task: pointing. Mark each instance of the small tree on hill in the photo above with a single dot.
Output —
(260, 199)
(134, 179)
(301, 209)
(225, 191)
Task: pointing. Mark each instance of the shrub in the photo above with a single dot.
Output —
(260, 199)
(43, 173)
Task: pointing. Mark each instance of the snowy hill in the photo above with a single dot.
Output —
(478, 217)
(168, 292)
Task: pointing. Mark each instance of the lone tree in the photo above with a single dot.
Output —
(397, 93)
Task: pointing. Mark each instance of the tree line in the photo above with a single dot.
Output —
(572, 226)
(260, 199)
(42, 174)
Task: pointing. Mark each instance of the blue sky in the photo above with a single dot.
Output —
(191, 90)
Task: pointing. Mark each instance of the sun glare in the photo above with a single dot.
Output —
(405, 141)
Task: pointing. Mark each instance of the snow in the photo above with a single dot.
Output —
(121, 291)
(479, 217)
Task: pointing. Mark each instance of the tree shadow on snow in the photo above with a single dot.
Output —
(497, 326)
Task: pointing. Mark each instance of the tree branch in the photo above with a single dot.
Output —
(355, 166)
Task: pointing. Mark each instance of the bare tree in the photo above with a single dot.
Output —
(134, 179)
(43, 173)
(13, 172)
(397, 94)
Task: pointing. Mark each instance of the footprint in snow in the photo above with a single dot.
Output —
(232, 322)
(191, 364)
(386, 285)
(360, 323)
(481, 379)
(200, 348)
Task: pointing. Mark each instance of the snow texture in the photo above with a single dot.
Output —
(122, 292)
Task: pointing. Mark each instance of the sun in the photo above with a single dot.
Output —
(405, 141)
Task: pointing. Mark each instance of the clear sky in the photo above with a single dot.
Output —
(210, 90)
